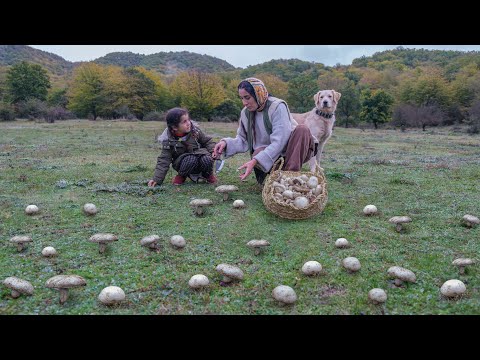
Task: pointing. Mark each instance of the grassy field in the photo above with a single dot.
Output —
(431, 176)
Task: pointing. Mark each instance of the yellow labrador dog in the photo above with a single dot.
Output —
(320, 120)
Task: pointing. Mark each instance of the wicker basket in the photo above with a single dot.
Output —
(290, 211)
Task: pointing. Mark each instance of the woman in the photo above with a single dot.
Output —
(267, 131)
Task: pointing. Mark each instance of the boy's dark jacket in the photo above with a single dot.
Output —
(173, 151)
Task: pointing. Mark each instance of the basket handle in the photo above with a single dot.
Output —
(279, 160)
(318, 169)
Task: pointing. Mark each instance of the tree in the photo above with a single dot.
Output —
(27, 81)
(142, 95)
(376, 107)
(199, 92)
(300, 93)
(58, 97)
(349, 105)
(86, 94)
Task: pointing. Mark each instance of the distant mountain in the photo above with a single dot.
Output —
(167, 62)
(284, 69)
(12, 54)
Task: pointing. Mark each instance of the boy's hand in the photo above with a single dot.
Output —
(152, 183)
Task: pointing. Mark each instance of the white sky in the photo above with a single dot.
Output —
(244, 55)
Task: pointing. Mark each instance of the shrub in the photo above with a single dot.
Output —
(7, 112)
(154, 116)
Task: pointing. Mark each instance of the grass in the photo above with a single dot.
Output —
(430, 176)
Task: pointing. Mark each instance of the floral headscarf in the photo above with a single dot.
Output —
(261, 92)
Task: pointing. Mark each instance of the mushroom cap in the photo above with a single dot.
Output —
(402, 274)
(198, 281)
(111, 295)
(463, 262)
(453, 288)
(17, 284)
(238, 204)
(311, 268)
(351, 263)
(201, 202)
(258, 243)
(147, 240)
(21, 239)
(178, 241)
(370, 210)
(49, 251)
(90, 209)
(226, 188)
(65, 281)
(103, 238)
(230, 271)
(378, 295)
(31, 209)
(341, 243)
(471, 219)
(284, 294)
(400, 220)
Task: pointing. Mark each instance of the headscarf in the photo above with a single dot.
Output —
(261, 92)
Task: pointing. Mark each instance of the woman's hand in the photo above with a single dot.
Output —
(152, 183)
(249, 165)
(218, 149)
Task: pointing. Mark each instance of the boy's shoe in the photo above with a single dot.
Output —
(178, 180)
(212, 179)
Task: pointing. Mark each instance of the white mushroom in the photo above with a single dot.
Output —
(102, 240)
(453, 288)
(199, 204)
(229, 272)
(311, 268)
(21, 241)
(31, 210)
(18, 286)
(370, 210)
(63, 283)
(111, 295)
(49, 251)
(301, 202)
(198, 281)
(150, 241)
(470, 220)
(377, 296)
(401, 274)
(258, 245)
(462, 263)
(90, 209)
(285, 295)
(238, 204)
(398, 221)
(177, 241)
(226, 190)
(341, 243)
(352, 264)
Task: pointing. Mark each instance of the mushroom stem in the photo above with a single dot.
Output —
(63, 295)
(398, 282)
(152, 246)
(257, 251)
(461, 270)
(19, 246)
(225, 196)
(199, 210)
(102, 247)
(15, 294)
(226, 279)
(398, 227)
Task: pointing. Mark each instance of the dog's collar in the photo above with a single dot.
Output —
(325, 115)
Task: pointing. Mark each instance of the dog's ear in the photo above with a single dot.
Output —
(336, 96)
(315, 97)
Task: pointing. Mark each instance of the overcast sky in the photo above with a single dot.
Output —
(244, 55)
